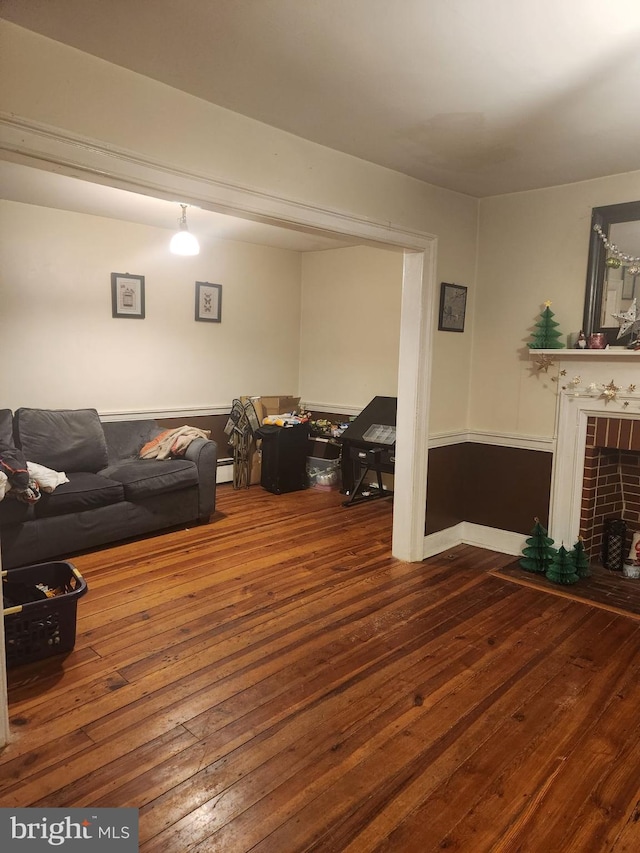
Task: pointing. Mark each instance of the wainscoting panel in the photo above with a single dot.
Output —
(487, 485)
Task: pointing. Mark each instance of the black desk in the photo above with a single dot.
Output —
(366, 448)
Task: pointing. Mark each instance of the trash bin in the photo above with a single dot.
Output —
(38, 629)
(284, 457)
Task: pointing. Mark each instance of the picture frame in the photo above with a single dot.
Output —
(208, 302)
(453, 307)
(127, 296)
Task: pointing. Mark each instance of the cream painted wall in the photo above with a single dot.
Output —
(78, 93)
(66, 350)
(350, 329)
(533, 246)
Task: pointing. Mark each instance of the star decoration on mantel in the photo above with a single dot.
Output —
(544, 362)
(629, 320)
(610, 392)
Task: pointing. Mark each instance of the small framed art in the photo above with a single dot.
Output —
(127, 295)
(208, 302)
(453, 306)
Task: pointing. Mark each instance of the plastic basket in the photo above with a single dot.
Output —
(41, 629)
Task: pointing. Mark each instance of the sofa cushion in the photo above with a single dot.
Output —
(63, 439)
(83, 491)
(125, 438)
(6, 428)
(142, 478)
(15, 512)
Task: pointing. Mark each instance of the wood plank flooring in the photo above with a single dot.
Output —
(276, 682)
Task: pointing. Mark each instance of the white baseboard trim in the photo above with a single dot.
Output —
(436, 543)
(467, 533)
(505, 541)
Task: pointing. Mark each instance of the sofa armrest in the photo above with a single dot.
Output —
(204, 453)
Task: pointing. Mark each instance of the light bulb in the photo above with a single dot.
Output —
(184, 243)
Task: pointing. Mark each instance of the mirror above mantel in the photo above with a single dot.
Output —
(612, 286)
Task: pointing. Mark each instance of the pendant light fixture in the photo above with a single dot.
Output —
(183, 242)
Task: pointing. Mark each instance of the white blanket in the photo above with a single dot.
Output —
(40, 478)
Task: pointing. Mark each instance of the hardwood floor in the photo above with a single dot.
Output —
(276, 682)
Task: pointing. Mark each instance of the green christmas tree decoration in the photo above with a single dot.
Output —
(545, 334)
(580, 559)
(539, 551)
(562, 569)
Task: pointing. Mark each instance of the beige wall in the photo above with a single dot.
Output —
(62, 348)
(533, 247)
(350, 328)
(74, 92)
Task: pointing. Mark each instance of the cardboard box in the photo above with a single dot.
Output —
(279, 405)
(273, 405)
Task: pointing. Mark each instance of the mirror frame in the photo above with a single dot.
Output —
(605, 217)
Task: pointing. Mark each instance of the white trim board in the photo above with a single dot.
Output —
(186, 412)
(495, 439)
(467, 533)
(44, 146)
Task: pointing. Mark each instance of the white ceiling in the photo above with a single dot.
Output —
(479, 96)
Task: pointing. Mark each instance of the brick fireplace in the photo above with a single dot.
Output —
(611, 483)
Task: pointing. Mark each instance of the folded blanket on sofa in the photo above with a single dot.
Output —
(172, 442)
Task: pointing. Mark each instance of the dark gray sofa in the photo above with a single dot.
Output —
(112, 494)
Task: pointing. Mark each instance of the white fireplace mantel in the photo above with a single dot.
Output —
(594, 355)
(599, 383)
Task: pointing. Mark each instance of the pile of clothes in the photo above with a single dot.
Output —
(25, 481)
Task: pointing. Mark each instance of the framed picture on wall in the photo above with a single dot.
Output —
(208, 302)
(453, 306)
(127, 295)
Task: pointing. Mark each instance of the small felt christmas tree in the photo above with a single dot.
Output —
(539, 552)
(562, 569)
(580, 559)
(545, 335)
